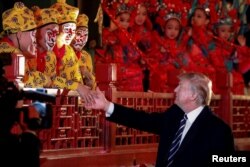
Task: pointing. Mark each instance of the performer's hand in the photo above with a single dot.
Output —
(100, 101)
(85, 93)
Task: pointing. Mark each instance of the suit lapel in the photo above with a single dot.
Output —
(195, 129)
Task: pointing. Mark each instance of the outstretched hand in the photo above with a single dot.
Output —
(85, 93)
(100, 101)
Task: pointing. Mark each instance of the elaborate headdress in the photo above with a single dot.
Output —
(67, 13)
(149, 4)
(19, 18)
(117, 7)
(45, 16)
(205, 5)
(171, 9)
(82, 20)
(226, 15)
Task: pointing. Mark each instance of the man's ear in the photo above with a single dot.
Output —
(194, 95)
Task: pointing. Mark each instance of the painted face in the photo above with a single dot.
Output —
(224, 32)
(81, 38)
(28, 43)
(46, 36)
(199, 18)
(183, 93)
(70, 30)
(141, 15)
(172, 28)
(123, 19)
(50, 37)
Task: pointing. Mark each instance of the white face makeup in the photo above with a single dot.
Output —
(69, 29)
(81, 38)
(50, 37)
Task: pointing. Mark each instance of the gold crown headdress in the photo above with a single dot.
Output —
(225, 17)
(82, 20)
(67, 13)
(45, 16)
(171, 10)
(18, 18)
(119, 6)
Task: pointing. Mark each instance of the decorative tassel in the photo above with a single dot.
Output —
(99, 20)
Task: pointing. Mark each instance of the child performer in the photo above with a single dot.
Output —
(170, 57)
(223, 56)
(200, 38)
(118, 49)
(141, 31)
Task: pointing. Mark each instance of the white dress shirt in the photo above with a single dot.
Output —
(110, 109)
(192, 115)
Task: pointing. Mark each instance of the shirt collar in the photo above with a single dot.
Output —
(192, 115)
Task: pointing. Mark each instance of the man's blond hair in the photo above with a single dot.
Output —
(200, 84)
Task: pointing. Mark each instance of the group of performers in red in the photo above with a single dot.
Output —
(150, 39)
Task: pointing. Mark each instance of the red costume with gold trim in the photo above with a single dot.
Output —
(118, 50)
(221, 58)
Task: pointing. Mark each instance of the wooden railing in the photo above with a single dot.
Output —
(77, 131)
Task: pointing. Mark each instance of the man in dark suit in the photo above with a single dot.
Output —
(202, 136)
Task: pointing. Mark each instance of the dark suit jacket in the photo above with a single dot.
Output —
(208, 134)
